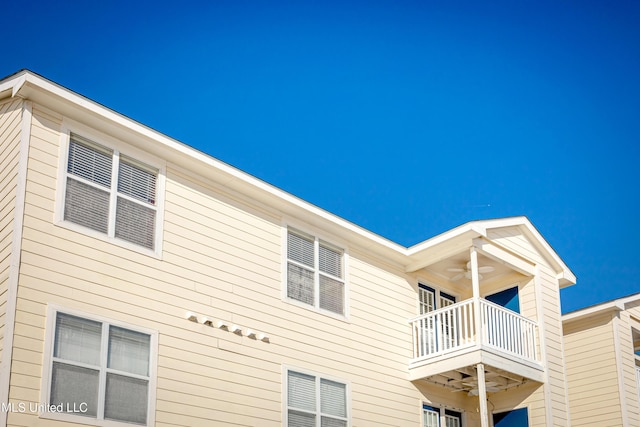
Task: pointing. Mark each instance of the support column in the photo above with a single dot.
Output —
(475, 284)
(475, 277)
(482, 396)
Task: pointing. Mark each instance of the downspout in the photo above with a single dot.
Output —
(14, 265)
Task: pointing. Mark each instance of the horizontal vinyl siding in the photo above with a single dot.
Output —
(512, 239)
(221, 258)
(554, 342)
(628, 360)
(10, 125)
(591, 373)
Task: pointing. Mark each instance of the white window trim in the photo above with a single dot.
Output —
(318, 237)
(69, 127)
(45, 390)
(437, 290)
(442, 409)
(285, 390)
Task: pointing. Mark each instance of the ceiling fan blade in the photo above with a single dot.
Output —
(455, 270)
(486, 269)
(475, 391)
(457, 277)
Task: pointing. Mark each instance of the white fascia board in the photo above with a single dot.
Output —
(31, 86)
(591, 311)
(630, 299)
(615, 305)
(440, 247)
(564, 275)
(444, 237)
(12, 84)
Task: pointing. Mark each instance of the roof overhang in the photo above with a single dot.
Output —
(477, 233)
(30, 86)
(619, 304)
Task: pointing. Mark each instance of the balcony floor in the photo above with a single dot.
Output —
(457, 370)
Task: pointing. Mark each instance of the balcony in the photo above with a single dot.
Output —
(449, 342)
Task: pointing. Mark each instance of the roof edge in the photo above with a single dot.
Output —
(618, 304)
(26, 83)
(19, 81)
(564, 275)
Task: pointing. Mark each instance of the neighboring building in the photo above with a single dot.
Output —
(602, 352)
(145, 282)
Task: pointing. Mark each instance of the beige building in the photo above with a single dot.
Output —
(143, 282)
(602, 352)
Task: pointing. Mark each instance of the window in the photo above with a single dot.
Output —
(315, 402)
(427, 299)
(435, 417)
(110, 193)
(315, 273)
(437, 332)
(100, 370)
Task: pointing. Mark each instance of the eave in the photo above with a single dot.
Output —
(30, 86)
(613, 305)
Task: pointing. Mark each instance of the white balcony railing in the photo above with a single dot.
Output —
(454, 327)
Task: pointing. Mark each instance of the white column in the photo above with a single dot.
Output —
(482, 396)
(475, 284)
(475, 278)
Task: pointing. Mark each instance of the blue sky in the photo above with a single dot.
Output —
(407, 118)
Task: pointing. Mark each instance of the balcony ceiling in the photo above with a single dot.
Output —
(444, 268)
(466, 380)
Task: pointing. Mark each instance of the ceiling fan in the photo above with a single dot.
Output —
(490, 387)
(471, 387)
(466, 272)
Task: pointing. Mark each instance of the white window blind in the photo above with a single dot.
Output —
(427, 299)
(452, 421)
(333, 398)
(315, 402)
(430, 417)
(84, 351)
(91, 191)
(315, 273)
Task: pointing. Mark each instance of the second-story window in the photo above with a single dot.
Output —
(110, 193)
(427, 297)
(315, 272)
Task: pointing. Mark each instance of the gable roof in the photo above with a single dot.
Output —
(31, 86)
(423, 253)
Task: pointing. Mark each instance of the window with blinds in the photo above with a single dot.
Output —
(110, 193)
(313, 401)
(432, 417)
(315, 272)
(99, 370)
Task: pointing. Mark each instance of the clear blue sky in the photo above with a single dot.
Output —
(407, 118)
